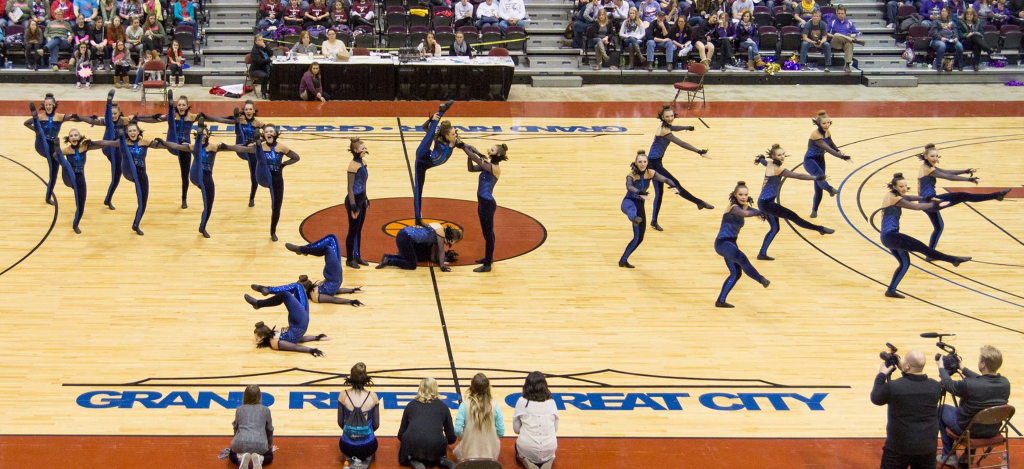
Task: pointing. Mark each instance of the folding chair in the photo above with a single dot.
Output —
(695, 71)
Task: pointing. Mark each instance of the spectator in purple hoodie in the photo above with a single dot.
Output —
(930, 11)
(725, 36)
(957, 8)
(1000, 14)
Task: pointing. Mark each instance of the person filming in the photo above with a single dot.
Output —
(977, 392)
(912, 400)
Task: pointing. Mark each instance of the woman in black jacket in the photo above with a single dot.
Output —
(460, 48)
(261, 57)
(426, 430)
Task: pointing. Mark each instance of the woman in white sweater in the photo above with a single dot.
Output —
(536, 421)
(632, 33)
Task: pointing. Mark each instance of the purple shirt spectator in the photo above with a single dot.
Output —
(846, 28)
(930, 9)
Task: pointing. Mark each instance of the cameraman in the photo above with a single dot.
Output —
(976, 393)
(910, 432)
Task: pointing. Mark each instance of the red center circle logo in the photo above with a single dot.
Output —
(515, 233)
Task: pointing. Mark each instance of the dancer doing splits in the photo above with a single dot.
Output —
(270, 165)
(179, 130)
(204, 154)
(72, 158)
(444, 138)
(725, 243)
(326, 291)
(429, 242)
(662, 138)
(900, 244)
(486, 206)
(47, 133)
(637, 182)
(926, 179)
(246, 129)
(288, 339)
(133, 165)
(768, 199)
(819, 143)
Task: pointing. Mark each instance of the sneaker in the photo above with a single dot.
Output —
(890, 26)
(55, 68)
(243, 461)
(827, 70)
(78, 85)
(135, 87)
(257, 461)
(847, 68)
(87, 85)
(950, 460)
(417, 465)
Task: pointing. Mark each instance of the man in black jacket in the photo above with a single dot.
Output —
(977, 392)
(912, 399)
(260, 59)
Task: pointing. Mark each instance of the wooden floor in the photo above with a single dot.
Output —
(107, 308)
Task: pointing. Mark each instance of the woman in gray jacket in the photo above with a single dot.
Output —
(254, 431)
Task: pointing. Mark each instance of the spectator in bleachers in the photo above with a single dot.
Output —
(945, 37)
(80, 31)
(81, 63)
(1017, 8)
(122, 63)
(984, 9)
(746, 36)
(659, 36)
(253, 431)
(535, 420)
(153, 7)
(58, 36)
(957, 8)
(972, 35)
(704, 9)
(700, 35)
(305, 45)
(479, 423)
(23, 14)
(487, 14)
(648, 11)
(86, 8)
(259, 68)
(462, 14)
(334, 48)
(185, 14)
(930, 10)
(175, 63)
(724, 35)
(65, 7)
(316, 16)
(153, 34)
(815, 34)
(41, 12)
(842, 34)
(115, 32)
(605, 39)
(339, 18)
(1000, 14)
(358, 443)
(460, 48)
(130, 9)
(632, 33)
(586, 19)
(426, 430)
(803, 10)
(618, 10)
(294, 16)
(133, 37)
(140, 72)
(99, 43)
(429, 47)
(34, 42)
(108, 10)
(270, 14)
(511, 13)
(739, 6)
(682, 38)
(671, 11)
(311, 87)
(361, 13)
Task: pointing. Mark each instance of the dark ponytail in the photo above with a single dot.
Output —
(502, 154)
(770, 154)
(923, 156)
(732, 195)
(661, 113)
(633, 166)
(265, 333)
(896, 178)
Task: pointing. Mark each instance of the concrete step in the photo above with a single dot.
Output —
(225, 63)
(891, 82)
(232, 4)
(556, 81)
(233, 13)
(551, 62)
(226, 27)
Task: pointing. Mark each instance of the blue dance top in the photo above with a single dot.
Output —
(485, 185)
(731, 226)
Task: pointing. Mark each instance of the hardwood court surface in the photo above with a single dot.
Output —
(105, 309)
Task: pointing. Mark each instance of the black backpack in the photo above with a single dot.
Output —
(357, 430)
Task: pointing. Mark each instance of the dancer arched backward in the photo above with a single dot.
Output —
(179, 130)
(246, 127)
(204, 155)
(900, 244)
(133, 165)
(113, 121)
(294, 297)
(725, 243)
(270, 165)
(926, 179)
(767, 201)
(445, 138)
(326, 247)
(47, 133)
(819, 143)
(430, 242)
(637, 182)
(486, 206)
(356, 202)
(662, 138)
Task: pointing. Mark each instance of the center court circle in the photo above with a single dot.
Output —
(516, 233)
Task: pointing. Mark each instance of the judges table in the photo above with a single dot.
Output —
(386, 78)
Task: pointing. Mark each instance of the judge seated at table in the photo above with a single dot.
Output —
(311, 88)
(334, 49)
(429, 47)
(460, 48)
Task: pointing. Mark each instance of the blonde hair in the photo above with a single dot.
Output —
(481, 411)
(427, 391)
(992, 358)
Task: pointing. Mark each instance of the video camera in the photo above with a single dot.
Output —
(890, 358)
(951, 361)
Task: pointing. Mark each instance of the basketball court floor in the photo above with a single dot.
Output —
(129, 351)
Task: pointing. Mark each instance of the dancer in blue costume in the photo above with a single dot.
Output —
(637, 181)
(725, 242)
(490, 171)
(270, 163)
(445, 139)
(768, 200)
(818, 144)
(246, 127)
(294, 297)
(326, 291)
(662, 139)
(47, 133)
